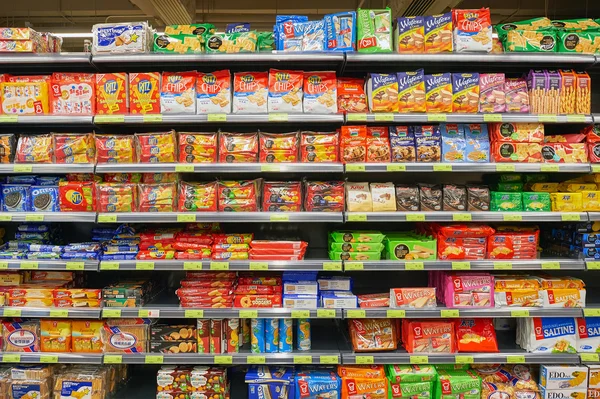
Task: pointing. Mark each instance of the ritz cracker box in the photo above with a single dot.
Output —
(144, 93)
(112, 93)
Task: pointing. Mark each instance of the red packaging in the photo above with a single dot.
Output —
(282, 197)
(231, 247)
(184, 246)
(229, 256)
(157, 197)
(168, 245)
(257, 289)
(257, 301)
(152, 255)
(324, 196)
(278, 245)
(351, 95)
(425, 336)
(34, 149)
(77, 196)
(216, 336)
(160, 177)
(207, 284)
(320, 147)
(378, 144)
(203, 335)
(238, 147)
(197, 147)
(513, 245)
(116, 197)
(74, 148)
(234, 238)
(232, 335)
(354, 144)
(238, 196)
(476, 335)
(517, 132)
(203, 292)
(276, 148)
(144, 94)
(197, 197)
(192, 255)
(119, 178)
(72, 94)
(276, 251)
(263, 280)
(115, 149)
(254, 256)
(156, 147)
(219, 303)
(194, 238)
(112, 93)
(374, 300)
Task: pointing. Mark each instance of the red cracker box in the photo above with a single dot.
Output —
(257, 301)
(144, 93)
(112, 93)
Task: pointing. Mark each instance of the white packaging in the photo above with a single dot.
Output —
(121, 38)
(594, 376)
(472, 30)
(250, 91)
(335, 300)
(563, 377)
(384, 197)
(563, 393)
(301, 287)
(588, 334)
(300, 301)
(563, 298)
(213, 93)
(358, 197)
(320, 93)
(547, 334)
(335, 284)
(285, 91)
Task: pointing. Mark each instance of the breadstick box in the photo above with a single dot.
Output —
(382, 92)
(567, 91)
(438, 92)
(563, 377)
(409, 35)
(411, 91)
(583, 88)
(465, 92)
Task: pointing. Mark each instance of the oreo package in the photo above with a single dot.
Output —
(44, 199)
(15, 198)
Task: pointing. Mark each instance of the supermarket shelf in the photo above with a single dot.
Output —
(467, 167)
(594, 216)
(72, 313)
(45, 264)
(303, 167)
(238, 217)
(464, 118)
(510, 264)
(170, 119)
(40, 168)
(50, 60)
(47, 357)
(45, 119)
(304, 357)
(48, 217)
(465, 216)
(237, 265)
(443, 312)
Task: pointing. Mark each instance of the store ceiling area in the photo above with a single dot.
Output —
(77, 16)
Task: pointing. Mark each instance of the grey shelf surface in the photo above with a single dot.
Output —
(170, 119)
(43, 168)
(594, 216)
(237, 217)
(194, 59)
(465, 216)
(487, 264)
(82, 59)
(467, 167)
(443, 312)
(48, 357)
(72, 313)
(45, 119)
(422, 117)
(46, 264)
(316, 357)
(234, 265)
(89, 217)
(296, 167)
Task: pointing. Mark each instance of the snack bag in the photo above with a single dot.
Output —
(409, 35)
(112, 93)
(382, 92)
(7, 148)
(35, 149)
(197, 197)
(453, 142)
(237, 196)
(427, 143)
(351, 95)
(238, 147)
(411, 91)
(378, 144)
(517, 97)
(477, 143)
(74, 148)
(465, 92)
(472, 30)
(324, 196)
(492, 97)
(285, 91)
(319, 147)
(144, 93)
(340, 31)
(72, 94)
(320, 93)
(402, 142)
(374, 31)
(77, 196)
(438, 89)
(353, 144)
(358, 197)
(250, 91)
(476, 335)
(197, 147)
(178, 93)
(282, 197)
(423, 336)
(116, 197)
(115, 149)
(156, 147)
(369, 335)
(157, 197)
(278, 147)
(438, 33)
(213, 92)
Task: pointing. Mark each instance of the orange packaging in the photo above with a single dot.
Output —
(518, 132)
(583, 93)
(55, 335)
(438, 92)
(567, 91)
(87, 336)
(319, 147)
(144, 93)
(374, 300)
(112, 93)
(33, 302)
(197, 147)
(257, 301)
(476, 335)
(203, 328)
(351, 95)
(413, 298)
(370, 335)
(72, 94)
(372, 388)
(428, 336)
(354, 144)
(358, 371)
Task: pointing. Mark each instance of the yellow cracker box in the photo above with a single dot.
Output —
(411, 91)
(87, 336)
(55, 335)
(112, 93)
(24, 98)
(566, 202)
(591, 200)
(438, 89)
(144, 93)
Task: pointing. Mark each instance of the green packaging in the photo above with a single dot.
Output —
(533, 24)
(265, 41)
(409, 373)
(576, 25)
(536, 202)
(338, 255)
(409, 247)
(239, 42)
(529, 41)
(510, 187)
(369, 236)
(511, 178)
(356, 247)
(414, 390)
(182, 44)
(506, 202)
(458, 384)
(579, 42)
(374, 31)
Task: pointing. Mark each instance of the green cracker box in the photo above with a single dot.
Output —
(369, 236)
(409, 247)
(410, 373)
(356, 247)
(506, 202)
(536, 202)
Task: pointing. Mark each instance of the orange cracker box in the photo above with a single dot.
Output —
(285, 91)
(112, 93)
(465, 92)
(144, 93)
(438, 92)
(72, 94)
(411, 91)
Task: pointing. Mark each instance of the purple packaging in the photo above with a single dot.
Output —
(411, 91)
(409, 35)
(438, 33)
(79, 255)
(237, 27)
(491, 93)
(552, 99)
(402, 141)
(382, 92)
(517, 98)
(118, 257)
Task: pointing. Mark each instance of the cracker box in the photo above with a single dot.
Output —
(382, 92)
(465, 92)
(438, 89)
(178, 93)
(250, 91)
(567, 91)
(285, 91)
(144, 93)
(24, 98)
(72, 94)
(340, 31)
(320, 92)
(409, 35)
(374, 31)
(472, 30)
(582, 90)
(563, 377)
(491, 92)
(213, 92)
(438, 33)
(112, 93)
(517, 152)
(411, 91)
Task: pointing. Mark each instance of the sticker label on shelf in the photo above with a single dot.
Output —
(361, 359)
(461, 265)
(414, 266)
(186, 218)
(111, 313)
(462, 217)
(589, 357)
(595, 168)
(396, 313)
(451, 313)
(279, 218)
(258, 266)
(9, 118)
(270, 168)
(547, 118)
(436, 117)
(356, 117)
(503, 265)
(302, 359)
(10, 358)
(329, 359)
(442, 167)
(591, 312)
(326, 313)
(221, 359)
(254, 359)
(216, 117)
(549, 168)
(507, 217)
(356, 314)
(354, 266)
(415, 217)
(152, 118)
(576, 118)
(59, 313)
(418, 359)
(107, 218)
(154, 359)
(492, 117)
(519, 313)
(278, 117)
(592, 265)
(334, 266)
(5, 218)
(109, 265)
(463, 359)
(3, 265)
(22, 168)
(248, 314)
(192, 265)
(219, 265)
(48, 358)
(74, 265)
(350, 167)
(551, 265)
(34, 218)
(11, 313)
(144, 265)
(501, 167)
(300, 314)
(149, 313)
(184, 168)
(357, 217)
(28, 265)
(570, 217)
(515, 359)
(109, 118)
(113, 359)
(396, 168)
(384, 117)
(194, 314)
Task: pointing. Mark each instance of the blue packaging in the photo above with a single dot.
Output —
(47, 180)
(588, 327)
(340, 31)
(587, 238)
(79, 255)
(104, 231)
(270, 382)
(44, 199)
(31, 236)
(317, 384)
(122, 248)
(21, 245)
(27, 389)
(21, 179)
(271, 335)
(288, 32)
(477, 142)
(82, 247)
(12, 255)
(402, 141)
(33, 228)
(237, 27)
(555, 328)
(300, 301)
(338, 300)
(118, 257)
(427, 136)
(453, 142)
(313, 38)
(108, 37)
(45, 248)
(591, 253)
(71, 389)
(303, 339)
(298, 276)
(43, 255)
(257, 336)
(15, 198)
(286, 335)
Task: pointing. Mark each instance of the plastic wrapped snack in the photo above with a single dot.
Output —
(340, 30)
(438, 33)
(382, 92)
(116, 197)
(121, 38)
(74, 148)
(112, 93)
(157, 197)
(278, 147)
(55, 335)
(21, 336)
(282, 197)
(238, 196)
(476, 335)
(472, 30)
(238, 147)
(197, 197)
(75, 196)
(411, 91)
(115, 149)
(354, 144)
(409, 35)
(351, 95)
(370, 335)
(125, 338)
(547, 334)
(250, 92)
(197, 147)
(320, 93)
(428, 336)
(319, 147)
(7, 148)
(156, 147)
(237, 42)
(178, 93)
(358, 197)
(324, 196)
(285, 91)
(35, 149)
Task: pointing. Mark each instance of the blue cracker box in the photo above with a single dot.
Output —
(299, 276)
(79, 255)
(453, 142)
(288, 32)
(428, 143)
(300, 301)
(592, 253)
(15, 198)
(340, 31)
(477, 142)
(23, 179)
(27, 389)
(402, 142)
(47, 180)
(317, 384)
(270, 382)
(237, 27)
(44, 199)
(313, 37)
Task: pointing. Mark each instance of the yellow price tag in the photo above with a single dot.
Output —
(396, 313)
(34, 218)
(219, 265)
(502, 265)
(396, 168)
(152, 118)
(186, 218)
(415, 217)
(326, 313)
(75, 265)
(12, 313)
(440, 167)
(11, 358)
(591, 312)
(28, 266)
(492, 117)
(507, 217)
(148, 313)
(111, 313)
(329, 359)
(547, 118)
(3, 265)
(570, 217)
(22, 168)
(515, 359)
(351, 167)
(184, 168)
(464, 359)
(270, 168)
(109, 265)
(109, 119)
(356, 314)
(248, 314)
(418, 359)
(365, 360)
(220, 359)
(549, 168)
(194, 314)
(278, 117)
(501, 167)
(384, 117)
(302, 359)
(519, 313)
(436, 117)
(144, 265)
(9, 118)
(107, 218)
(576, 118)
(414, 266)
(595, 168)
(279, 218)
(5, 218)
(192, 265)
(154, 359)
(59, 313)
(461, 265)
(451, 313)
(462, 217)
(592, 265)
(253, 359)
(332, 266)
(113, 359)
(258, 265)
(300, 314)
(551, 265)
(589, 357)
(356, 117)
(354, 266)
(357, 217)
(216, 117)
(48, 358)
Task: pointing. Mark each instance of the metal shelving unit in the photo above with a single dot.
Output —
(237, 217)
(88, 217)
(296, 167)
(466, 216)
(53, 120)
(464, 118)
(443, 312)
(467, 167)
(180, 119)
(45, 264)
(51, 358)
(330, 357)
(72, 313)
(236, 265)
(41, 168)
(51, 59)
(488, 264)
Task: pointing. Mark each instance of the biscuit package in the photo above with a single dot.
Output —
(351, 95)
(427, 143)
(72, 94)
(238, 196)
(282, 197)
(156, 147)
(7, 148)
(472, 30)
(121, 38)
(116, 197)
(197, 147)
(412, 298)
(476, 335)
(125, 338)
(453, 142)
(340, 31)
(382, 92)
(213, 92)
(402, 142)
(55, 335)
(44, 199)
(319, 147)
(276, 148)
(285, 91)
(353, 144)
(181, 44)
(250, 92)
(115, 149)
(74, 148)
(477, 142)
(197, 197)
(411, 91)
(428, 336)
(238, 147)
(374, 31)
(547, 334)
(112, 93)
(178, 93)
(324, 196)
(465, 92)
(378, 144)
(157, 197)
(438, 33)
(358, 197)
(320, 93)
(35, 149)
(492, 96)
(24, 98)
(370, 335)
(438, 92)
(517, 97)
(21, 336)
(409, 35)
(237, 42)
(144, 92)
(383, 196)
(16, 198)
(77, 196)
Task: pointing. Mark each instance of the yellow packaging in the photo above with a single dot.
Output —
(566, 202)
(24, 98)
(411, 91)
(591, 200)
(544, 187)
(10, 278)
(576, 187)
(87, 336)
(55, 335)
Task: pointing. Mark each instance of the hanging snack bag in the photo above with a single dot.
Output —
(250, 92)
(472, 30)
(465, 92)
(197, 147)
(72, 94)
(374, 31)
(178, 93)
(156, 147)
(382, 92)
(438, 33)
(411, 91)
(112, 93)
(238, 147)
(285, 91)
(438, 89)
(144, 93)
(351, 95)
(320, 93)
(409, 35)
(213, 92)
